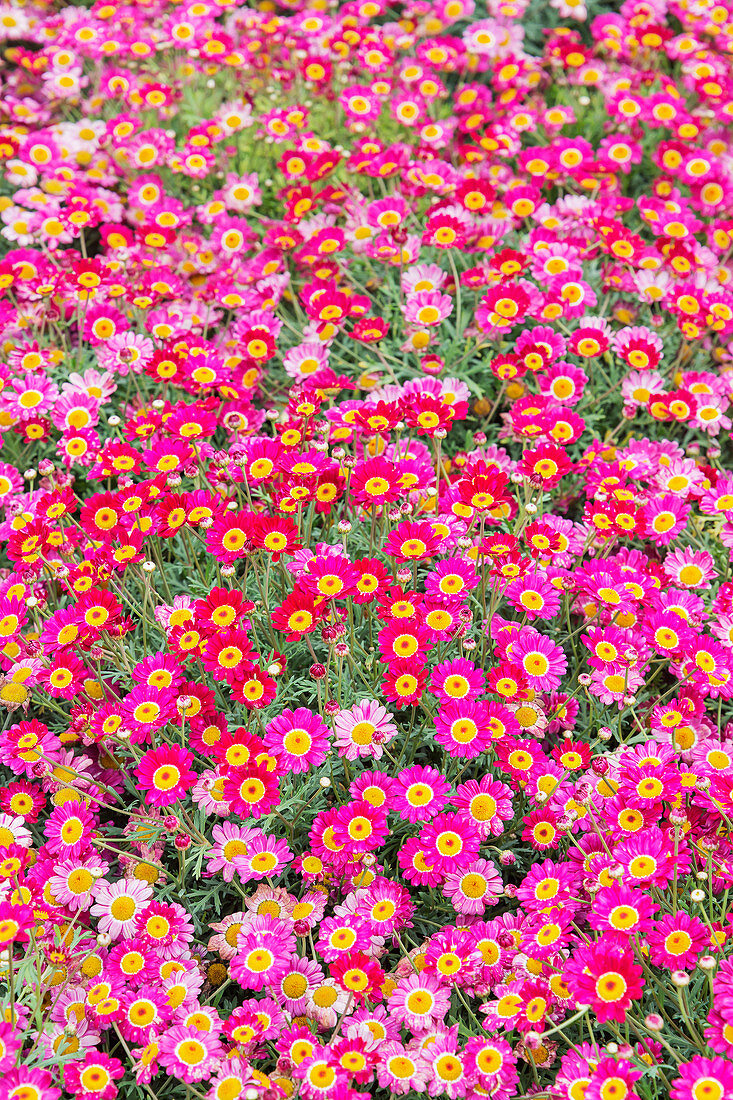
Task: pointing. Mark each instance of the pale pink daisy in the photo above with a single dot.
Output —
(227, 934)
(116, 904)
(230, 842)
(128, 351)
(690, 568)
(363, 730)
(472, 889)
(419, 1001)
(75, 879)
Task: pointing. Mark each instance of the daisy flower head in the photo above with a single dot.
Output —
(486, 802)
(74, 881)
(263, 949)
(677, 941)
(299, 738)
(605, 977)
(419, 793)
(165, 774)
(457, 679)
(542, 660)
(189, 1054)
(117, 904)
(450, 843)
(363, 730)
(419, 1001)
(472, 889)
(703, 1079)
(402, 1070)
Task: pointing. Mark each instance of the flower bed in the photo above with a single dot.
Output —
(366, 610)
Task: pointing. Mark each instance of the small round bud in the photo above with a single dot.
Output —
(697, 896)
(654, 1021)
(228, 570)
(324, 781)
(31, 601)
(149, 567)
(612, 1048)
(531, 509)
(680, 978)
(516, 479)
(29, 474)
(114, 421)
(706, 962)
(158, 404)
(104, 939)
(344, 527)
(702, 876)
(584, 679)
(317, 672)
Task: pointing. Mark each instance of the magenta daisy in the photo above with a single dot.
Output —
(299, 738)
(457, 679)
(165, 774)
(419, 793)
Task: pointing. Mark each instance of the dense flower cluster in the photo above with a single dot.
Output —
(366, 604)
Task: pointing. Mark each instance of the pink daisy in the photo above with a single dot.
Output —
(363, 731)
(189, 1054)
(473, 888)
